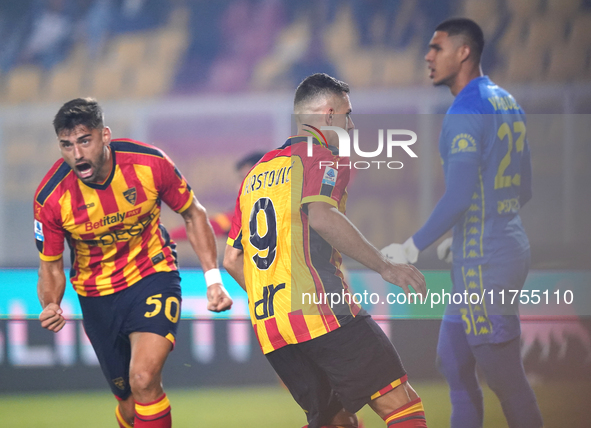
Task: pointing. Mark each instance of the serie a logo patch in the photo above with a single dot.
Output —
(38, 231)
(330, 176)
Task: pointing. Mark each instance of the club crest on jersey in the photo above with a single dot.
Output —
(131, 195)
(330, 176)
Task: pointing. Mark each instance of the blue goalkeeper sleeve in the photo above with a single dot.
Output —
(460, 184)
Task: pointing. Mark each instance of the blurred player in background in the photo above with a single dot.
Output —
(104, 198)
(221, 222)
(487, 166)
(287, 236)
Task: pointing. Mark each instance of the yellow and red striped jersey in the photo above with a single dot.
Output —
(289, 269)
(113, 229)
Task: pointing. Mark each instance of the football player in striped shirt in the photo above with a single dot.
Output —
(104, 199)
(284, 249)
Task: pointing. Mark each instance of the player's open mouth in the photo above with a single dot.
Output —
(431, 72)
(84, 169)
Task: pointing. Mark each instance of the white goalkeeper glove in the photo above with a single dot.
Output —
(410, 250)
(402, 253)
(444, 250)
(395, 253)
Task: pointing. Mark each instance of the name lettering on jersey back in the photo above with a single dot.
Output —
(110, 220)
(267, 179)
(504, 103)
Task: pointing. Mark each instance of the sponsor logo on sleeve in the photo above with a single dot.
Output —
(463, 143)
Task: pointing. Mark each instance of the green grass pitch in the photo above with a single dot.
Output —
(563, 405)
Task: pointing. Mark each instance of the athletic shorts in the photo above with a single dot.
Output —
(485, 322)
(152, 305)
(343, 369)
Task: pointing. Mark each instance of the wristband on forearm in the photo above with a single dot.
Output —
(212, 276)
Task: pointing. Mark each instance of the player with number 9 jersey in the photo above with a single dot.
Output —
(288, 266)
(284, 249)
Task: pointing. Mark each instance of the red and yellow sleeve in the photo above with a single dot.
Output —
(49, 235)
(325, 183)
(173, 188)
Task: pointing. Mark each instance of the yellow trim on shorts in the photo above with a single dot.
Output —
(170, 337)
(394, 384)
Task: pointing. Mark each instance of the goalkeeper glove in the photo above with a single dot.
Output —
(405, 253)
(394, 253)
(444, 250)
(410, 250)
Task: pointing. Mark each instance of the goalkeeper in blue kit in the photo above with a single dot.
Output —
(487, 168)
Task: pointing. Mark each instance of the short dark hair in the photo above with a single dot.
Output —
(250, 159)
(80, 111)
(319, 84)
(467, 28)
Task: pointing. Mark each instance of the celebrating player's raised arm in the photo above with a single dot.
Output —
(104, 198)
(50, 289)
(338, 231)
(202, 239)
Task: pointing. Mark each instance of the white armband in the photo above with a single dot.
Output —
(212, 276)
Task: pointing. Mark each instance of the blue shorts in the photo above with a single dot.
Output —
(152, 305)
(489, 323)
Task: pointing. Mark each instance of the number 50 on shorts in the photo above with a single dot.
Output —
(171, 301)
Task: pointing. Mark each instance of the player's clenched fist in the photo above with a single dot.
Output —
(218, 299)
(52, 318)
(404, 275)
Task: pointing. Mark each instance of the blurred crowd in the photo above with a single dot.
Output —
(235, 45)
(226, 37)
(43, 32)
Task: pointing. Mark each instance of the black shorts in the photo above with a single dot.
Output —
(153, 305)
(342, 369)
